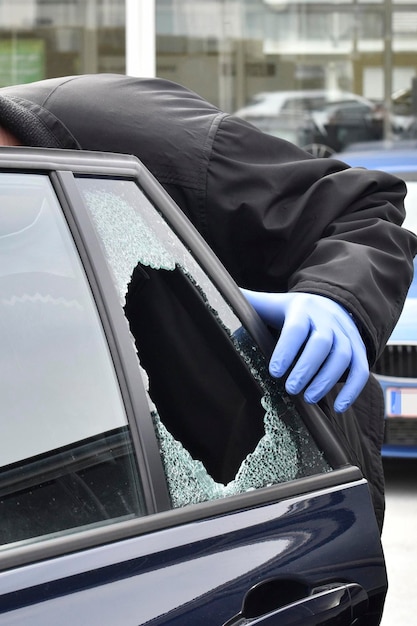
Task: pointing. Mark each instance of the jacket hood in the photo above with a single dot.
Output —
(33, 125)
(169, 128)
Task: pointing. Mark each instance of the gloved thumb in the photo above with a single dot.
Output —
(271, 307)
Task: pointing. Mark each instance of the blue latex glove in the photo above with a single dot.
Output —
(332, 345)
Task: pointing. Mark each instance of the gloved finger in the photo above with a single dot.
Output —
(338, 361)
(299, 314)
(356, 380)
(313, 358)
(294, 334)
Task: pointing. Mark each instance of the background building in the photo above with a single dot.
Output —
(226, 50)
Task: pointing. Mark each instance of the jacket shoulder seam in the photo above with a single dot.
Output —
(207, 152)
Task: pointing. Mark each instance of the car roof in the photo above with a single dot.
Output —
(298, 93)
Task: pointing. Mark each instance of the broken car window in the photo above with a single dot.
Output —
(224, 426)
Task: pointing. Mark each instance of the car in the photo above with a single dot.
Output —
(152, 472)
(403, 110)
(410, 133)
(321, 121)
(396, 368)
(347, 121)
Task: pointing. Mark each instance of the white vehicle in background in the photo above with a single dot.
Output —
(321, 121)
(273, 103)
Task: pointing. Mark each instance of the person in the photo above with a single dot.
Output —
(7, 138)
(316, 246)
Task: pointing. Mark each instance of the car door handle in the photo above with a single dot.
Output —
(340, 603)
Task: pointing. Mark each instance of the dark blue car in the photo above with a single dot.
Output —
(151, 470)
(396, 369)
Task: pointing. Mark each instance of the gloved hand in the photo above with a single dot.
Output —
(332, 345)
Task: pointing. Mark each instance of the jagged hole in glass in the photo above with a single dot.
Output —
(286, 451)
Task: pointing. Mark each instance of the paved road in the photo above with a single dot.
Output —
(399, 539)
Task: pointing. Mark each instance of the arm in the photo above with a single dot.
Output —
(281, 221)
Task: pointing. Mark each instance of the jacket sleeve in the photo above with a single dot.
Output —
(280, 220)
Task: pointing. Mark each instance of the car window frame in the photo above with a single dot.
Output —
(62, 166)
(119, 341)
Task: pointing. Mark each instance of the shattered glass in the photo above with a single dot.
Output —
(132, 232)
(285, 452)
(131, 239)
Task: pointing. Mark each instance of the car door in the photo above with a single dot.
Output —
(152, 471)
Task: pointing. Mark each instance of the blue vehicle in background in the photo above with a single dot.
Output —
(396, 368)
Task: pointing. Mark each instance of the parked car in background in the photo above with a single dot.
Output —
(320, 121)
(396, 369)
(274, 103)
(151, 471)
(403, 110)
(348, 121)
(410, 133)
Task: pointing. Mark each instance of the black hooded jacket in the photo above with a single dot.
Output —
(279, 219)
